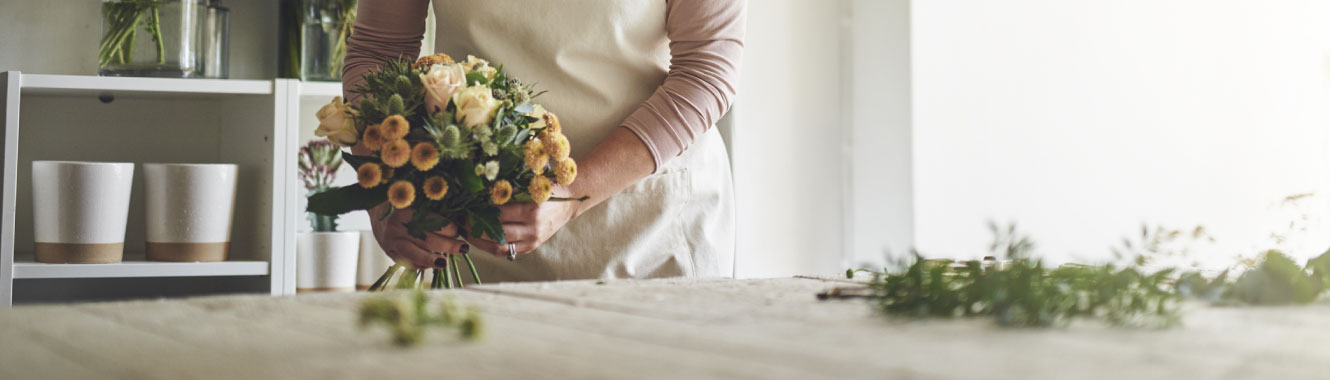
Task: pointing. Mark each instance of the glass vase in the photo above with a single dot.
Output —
(324, 28)
(151, 38)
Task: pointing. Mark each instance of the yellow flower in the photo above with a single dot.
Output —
(335, 123)
(396, 153)
(394, 127)
(401, 194)
(435, 188)
(535, 157)
(424, 156)
(565, 171)
(431, 60)
(373, 138)
(501, 193)
(556, 144)
(369, 175)
(540, 189)
(552, 123)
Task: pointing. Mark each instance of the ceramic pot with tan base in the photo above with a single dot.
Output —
(80, 210)
(326, 261)
(189, 211)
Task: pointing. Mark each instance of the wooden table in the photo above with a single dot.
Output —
(672, 328)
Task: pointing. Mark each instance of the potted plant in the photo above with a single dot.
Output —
(325, 258)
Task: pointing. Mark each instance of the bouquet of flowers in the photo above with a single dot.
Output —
(450, 141)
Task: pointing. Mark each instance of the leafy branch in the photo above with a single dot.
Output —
(408, 317)
(1020, 291)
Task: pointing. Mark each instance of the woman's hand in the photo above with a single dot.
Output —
(403, 248)
(527, 225)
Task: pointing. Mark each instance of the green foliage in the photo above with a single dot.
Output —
(1020, 291)
(407, 317)
(345, 199)
(1279, 281)
(486, 221)
(393, 89)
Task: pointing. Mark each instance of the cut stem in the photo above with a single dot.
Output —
(457, 273)
(383, 280)
(447, 274)
(474, 275)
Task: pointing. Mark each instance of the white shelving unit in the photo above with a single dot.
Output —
(251, 123)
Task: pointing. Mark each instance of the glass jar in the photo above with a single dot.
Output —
(325, 26)
(154, 38)
(216, 45)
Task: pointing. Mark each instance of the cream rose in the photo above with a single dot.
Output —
(475, 106)
(441, 81)
(335, 123)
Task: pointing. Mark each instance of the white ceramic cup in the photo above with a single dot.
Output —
(373, 261)
(326, 261)
(190, 208)
(80, 210)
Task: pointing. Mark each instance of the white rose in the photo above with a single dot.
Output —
(441, 82)
(335, 123)
(475, 106)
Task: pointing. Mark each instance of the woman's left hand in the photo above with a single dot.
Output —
(527, 225)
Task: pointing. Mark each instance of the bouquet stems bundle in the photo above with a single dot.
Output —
(122, 19)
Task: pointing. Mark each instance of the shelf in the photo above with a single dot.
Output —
(40, 84)
(324, 89)
(30, 269)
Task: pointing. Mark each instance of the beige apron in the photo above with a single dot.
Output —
(599, 60)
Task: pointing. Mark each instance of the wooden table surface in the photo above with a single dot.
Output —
(672, 328)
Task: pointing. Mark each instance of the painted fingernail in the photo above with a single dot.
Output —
(440, 262)
(465, 248)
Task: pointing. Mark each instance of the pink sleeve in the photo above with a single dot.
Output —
(706, 46)
(385, 29)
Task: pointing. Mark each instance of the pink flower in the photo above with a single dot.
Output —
(441, 81)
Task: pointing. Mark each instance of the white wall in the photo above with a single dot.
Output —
(787, 141)
(1082, 119)
(880, 208)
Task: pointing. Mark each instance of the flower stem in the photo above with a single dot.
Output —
(447, 274)
(457, 272)
(383, 280)
(474, 275)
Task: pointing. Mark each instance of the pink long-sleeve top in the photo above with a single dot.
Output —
(706, 45)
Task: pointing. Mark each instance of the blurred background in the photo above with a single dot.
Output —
(866, 128)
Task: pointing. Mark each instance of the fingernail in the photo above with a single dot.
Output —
(440, 262)
(465, 248)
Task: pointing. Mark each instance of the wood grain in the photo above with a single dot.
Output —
(672, 328)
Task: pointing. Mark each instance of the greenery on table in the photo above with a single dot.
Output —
(1020, 291)
(122, 18)
(407, 317)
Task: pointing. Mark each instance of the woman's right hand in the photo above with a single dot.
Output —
(407, 250)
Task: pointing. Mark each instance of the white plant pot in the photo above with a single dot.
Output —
(189, 211)
(326, 261)
(80, 210)
(373, 261)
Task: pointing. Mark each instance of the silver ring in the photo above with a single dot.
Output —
(512, 252)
